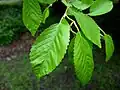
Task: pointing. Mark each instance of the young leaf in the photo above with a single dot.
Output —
(45, 14)
(109, 46)
(83, 4)
(89, 28)
(83, 59)
(47, 1)
(101, 7)
(70, 50)
(49, 48)
(32, 15)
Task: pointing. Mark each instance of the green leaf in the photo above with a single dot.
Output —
(70, 50)
(45, 14)
(47, 1)
(32, 15)
(89, 28)
(87, 1)
(101, 7)
(83, 4)
(83, 59)
(49, 48)
(66, 3)
(71, 11)
(109, 46)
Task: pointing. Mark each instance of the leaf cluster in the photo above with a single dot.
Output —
(51, 45)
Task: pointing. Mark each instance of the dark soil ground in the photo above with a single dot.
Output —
(17, 47)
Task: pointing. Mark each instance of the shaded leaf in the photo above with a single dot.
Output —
(70, 50)
(45, 14)
(83, 59)
(109, 46)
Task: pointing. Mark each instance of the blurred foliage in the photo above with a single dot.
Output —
(17, 75)
(10, 23)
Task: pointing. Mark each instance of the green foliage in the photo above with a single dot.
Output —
(10, 24)
(100, 7)
(45, 14)
(46, 53)
(109, 46)
(83, 59)
(70, 50)
(32, 15)
(82, 5)
(50, 47)
(92, 32)
(47, 1)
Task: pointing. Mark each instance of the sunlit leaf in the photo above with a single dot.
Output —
(32, 15)
(83, 4)
(101, 7)
(49, 48)
(89, 28)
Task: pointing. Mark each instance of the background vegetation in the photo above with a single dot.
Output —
(10, 23)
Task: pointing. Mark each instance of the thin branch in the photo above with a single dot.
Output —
(72, 31)
(73, 23)
(102, 36)
(102, 31)
(76, 26)
(64, 14)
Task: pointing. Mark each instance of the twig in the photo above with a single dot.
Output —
(73, 23)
